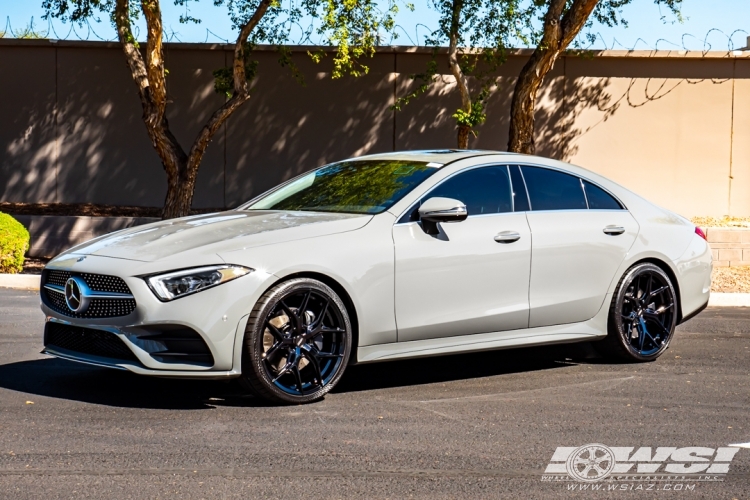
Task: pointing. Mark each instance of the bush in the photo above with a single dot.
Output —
(14, 241)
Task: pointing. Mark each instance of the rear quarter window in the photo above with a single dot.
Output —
(599, 199)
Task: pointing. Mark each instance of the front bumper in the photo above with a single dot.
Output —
(219, 315)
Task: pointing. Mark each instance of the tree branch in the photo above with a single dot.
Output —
(240, 95)
(154, 58)
(559, 30)
(575, 19)
(455, 67)
(240, 79)
(132, 55)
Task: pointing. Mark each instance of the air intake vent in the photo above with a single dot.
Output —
(87, 341)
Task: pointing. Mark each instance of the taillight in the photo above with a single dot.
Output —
(700, 233)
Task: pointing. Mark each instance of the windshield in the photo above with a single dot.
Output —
(362, 187)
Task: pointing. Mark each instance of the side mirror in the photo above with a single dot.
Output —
(437, 210)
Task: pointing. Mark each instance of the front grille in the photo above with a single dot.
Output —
(87, 341)
(98, 308)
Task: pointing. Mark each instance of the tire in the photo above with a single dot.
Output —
(297, 342)
(642, 315)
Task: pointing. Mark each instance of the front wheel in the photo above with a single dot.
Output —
(297, 342)
(642, 316)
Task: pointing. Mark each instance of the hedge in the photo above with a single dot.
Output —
(14, 241)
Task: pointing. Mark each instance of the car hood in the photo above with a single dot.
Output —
(218, 232)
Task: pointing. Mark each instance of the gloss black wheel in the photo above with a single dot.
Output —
(642, 316)
(297, 342)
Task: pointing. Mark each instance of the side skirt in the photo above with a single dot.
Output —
(593, 329)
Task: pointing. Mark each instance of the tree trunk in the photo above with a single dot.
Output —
(149, 75)
(558, 32)
(458, 74)
(180, 188)
(463, 136)
(521, 134)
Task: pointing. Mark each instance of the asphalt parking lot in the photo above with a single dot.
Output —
(471, 426)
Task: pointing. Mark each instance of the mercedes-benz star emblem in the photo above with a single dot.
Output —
(74, 296)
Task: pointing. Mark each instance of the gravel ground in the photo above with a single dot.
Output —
(726, 221)
(731, 279)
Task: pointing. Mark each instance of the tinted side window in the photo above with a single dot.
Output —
(483, 190)
(520, 199)
(553, 190)
(599, 199)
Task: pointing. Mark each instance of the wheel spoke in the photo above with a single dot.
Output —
(657, 291)
(319, 321)
(298, 377)
(315, 365)
(647, 292)
(323, 355)
(641, 335)
(662, 327)
(284, 369)
(293, 318)
(272, 350)
(303, 307)
(275, 331)
(663, 309)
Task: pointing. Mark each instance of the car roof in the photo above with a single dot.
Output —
(431, 155)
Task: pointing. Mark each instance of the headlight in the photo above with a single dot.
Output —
(176, 284)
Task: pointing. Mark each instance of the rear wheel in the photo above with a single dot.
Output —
(642, 316)
(297, 342)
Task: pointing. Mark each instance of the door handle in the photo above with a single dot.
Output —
(507, 237)
(613, 230)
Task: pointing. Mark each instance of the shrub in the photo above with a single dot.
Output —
(14, 241)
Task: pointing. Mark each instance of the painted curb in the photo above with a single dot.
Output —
(20, 281)
(729, 300)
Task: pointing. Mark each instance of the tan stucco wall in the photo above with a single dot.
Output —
(670, 126)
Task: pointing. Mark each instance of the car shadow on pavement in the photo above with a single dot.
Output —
(455, 367)
(62, 379)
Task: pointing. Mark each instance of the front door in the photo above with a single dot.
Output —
(474, 276)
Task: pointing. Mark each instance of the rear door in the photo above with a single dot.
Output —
(580, 236)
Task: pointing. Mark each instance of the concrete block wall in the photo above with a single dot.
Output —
(729, 246)
(72, 130)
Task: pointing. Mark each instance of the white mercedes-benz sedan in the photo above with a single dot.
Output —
(381, 257)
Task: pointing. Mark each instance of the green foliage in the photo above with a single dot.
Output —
(484, 30)
(224, 77)
(14, 241)
(477, 115)
(352, 26)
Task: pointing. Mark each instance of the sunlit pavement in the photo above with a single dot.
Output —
(472, 426)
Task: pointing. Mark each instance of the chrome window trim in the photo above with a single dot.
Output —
(585, 196)
(473, 167)
(525, 187)
(520, 164)
(606, 191)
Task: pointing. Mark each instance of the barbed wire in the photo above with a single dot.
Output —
(301, 35)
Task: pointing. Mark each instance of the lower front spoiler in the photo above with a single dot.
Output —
(140, 370)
